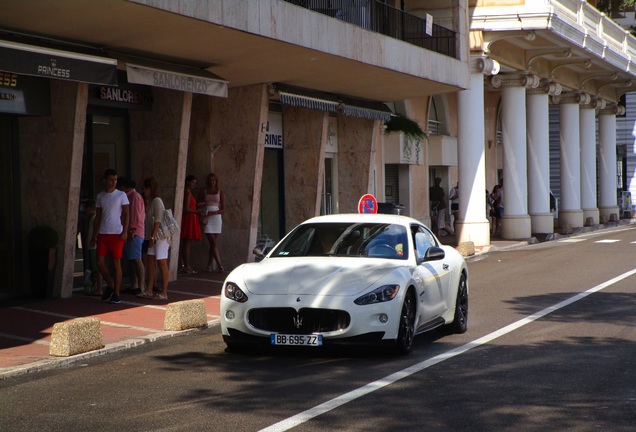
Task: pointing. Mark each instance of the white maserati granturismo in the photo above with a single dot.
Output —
(347, 279)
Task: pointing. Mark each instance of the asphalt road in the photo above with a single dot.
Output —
(551, 346)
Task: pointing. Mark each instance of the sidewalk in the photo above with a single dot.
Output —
(26, 325)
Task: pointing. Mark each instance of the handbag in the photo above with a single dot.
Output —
(169, 225)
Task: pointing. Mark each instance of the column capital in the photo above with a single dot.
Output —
(595, 103)
(484, 65)
(528, 81)
(571, 98)
(612, 109)
(548, 87)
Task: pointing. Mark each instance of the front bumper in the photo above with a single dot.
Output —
(238, 338)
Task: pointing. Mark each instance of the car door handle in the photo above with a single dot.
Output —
(445, 266)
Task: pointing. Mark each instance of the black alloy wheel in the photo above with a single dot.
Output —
(406, 331)
(460, 321)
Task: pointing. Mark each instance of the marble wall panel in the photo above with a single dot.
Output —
(305, 137)
(160, 137)
(51, 151)
(238, 135)
(357, 139)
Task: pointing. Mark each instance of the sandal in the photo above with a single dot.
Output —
(143, 294)
(160, 297)
(189, 270)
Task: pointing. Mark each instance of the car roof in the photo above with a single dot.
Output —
(365, 217)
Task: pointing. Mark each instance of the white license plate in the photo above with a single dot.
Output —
(296, 340)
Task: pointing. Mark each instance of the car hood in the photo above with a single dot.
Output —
(314, 276)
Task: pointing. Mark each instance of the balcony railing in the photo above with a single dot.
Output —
(381, 18)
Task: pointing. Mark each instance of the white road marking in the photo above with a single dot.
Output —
(405, 373)
(607, 241)
(571, 240)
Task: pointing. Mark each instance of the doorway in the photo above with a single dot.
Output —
(329, 202)
(9, 206)
(272, 219)
(106, 146)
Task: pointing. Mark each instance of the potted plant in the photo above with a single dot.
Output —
(42, 241)
(401, 123)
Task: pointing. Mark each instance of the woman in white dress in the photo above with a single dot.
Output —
(211, 203)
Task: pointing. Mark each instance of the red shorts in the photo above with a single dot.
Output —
(110, 245)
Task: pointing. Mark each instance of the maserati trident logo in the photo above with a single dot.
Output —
(298, 321)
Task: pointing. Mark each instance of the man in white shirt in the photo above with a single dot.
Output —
(110, 232)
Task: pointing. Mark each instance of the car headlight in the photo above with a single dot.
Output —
(233, 292)
(383, 294)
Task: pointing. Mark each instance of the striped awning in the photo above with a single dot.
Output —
(366, 109)
(305, 98)
(333, 103)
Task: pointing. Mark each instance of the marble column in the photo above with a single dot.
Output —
(472, 223)
(608, 196)
(538, 139)
(587, 131)
(515, 223)
(570, 213)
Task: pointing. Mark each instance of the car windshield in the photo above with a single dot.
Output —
(342, 239)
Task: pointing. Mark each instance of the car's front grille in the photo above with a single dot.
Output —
(305, 321)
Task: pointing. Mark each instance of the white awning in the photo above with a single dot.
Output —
(177, 77)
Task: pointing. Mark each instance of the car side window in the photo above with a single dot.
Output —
(423, 240)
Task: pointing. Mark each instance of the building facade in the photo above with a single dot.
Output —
(286, 102)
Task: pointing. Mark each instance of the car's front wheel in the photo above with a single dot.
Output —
(460, 321)
(406, 331)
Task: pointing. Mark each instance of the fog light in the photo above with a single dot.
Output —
(384, 318)
(229, 315)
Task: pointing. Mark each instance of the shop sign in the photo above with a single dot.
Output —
(209, 84)
(45, 62)
(274, 130)
(125, 96)
(21, 94)
(332, 135)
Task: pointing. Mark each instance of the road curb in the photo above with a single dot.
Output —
(57, 362)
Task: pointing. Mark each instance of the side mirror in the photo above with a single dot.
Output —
(433, 253)
(261, 251)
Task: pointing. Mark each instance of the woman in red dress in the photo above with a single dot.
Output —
(190, 229)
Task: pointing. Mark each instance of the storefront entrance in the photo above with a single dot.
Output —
(271, 221)
(106, 147)
(9, 207)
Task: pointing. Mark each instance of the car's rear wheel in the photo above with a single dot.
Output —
(406, 331)
(460, 321)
